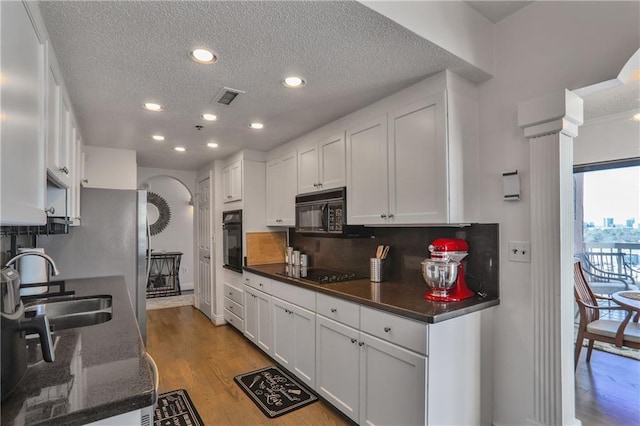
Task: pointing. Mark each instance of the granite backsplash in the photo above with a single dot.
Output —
(408, 249)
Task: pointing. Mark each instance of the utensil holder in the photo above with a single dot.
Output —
(378, 269)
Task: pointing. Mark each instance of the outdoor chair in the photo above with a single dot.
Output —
(619, 333)
(606, 282)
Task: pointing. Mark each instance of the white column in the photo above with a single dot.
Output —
(550, 123)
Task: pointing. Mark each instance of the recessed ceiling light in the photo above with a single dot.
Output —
(212, 145)
(203, 56)
(158, 137)
(152, 106)
(256, 126)
(180, 148)
(293, 82)
(209, 117)
(636, 117)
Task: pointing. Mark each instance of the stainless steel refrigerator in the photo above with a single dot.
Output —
(112, 240)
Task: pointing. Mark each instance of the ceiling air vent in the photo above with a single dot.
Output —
(226, 95)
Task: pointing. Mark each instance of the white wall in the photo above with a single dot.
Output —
(110, 168)
(613, 137)
(179, 234)
(545, 47)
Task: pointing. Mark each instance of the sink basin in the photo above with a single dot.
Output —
(72, 313)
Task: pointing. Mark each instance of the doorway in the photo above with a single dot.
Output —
(204, 300)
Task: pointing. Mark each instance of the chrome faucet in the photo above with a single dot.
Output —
(54, 268)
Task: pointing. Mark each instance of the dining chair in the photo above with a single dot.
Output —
(619, 333)
(606, 282)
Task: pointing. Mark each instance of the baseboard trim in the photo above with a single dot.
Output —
(218, 320)
(170, 302)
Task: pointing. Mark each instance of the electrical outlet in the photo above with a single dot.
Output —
(520, 251)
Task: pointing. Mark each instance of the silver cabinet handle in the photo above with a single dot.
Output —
(260, 284)
(64, 170)
(85, 180)
(390, 215)
(383, 215)
(230, 308)
(334, 310)
(353, 340)
(51, 210)
(207, 257)
(320, 184)
(387, 329)
(315, 185)
(360, 343)
(230, 293)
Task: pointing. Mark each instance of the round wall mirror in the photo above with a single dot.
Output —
(158, 213)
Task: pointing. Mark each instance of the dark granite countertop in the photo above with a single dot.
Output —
(100, 370)
(403, 297)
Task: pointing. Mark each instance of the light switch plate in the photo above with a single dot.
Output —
(520, 251)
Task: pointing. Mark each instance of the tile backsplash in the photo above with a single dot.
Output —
(408, 249)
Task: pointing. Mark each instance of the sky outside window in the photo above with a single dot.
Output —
(613, 193)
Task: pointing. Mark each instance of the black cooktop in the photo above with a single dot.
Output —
(319, 275)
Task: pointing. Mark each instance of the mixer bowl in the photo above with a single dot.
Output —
(440, 275)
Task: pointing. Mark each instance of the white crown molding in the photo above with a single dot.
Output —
(552, 113)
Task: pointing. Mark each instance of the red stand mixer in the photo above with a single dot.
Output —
(443, 271)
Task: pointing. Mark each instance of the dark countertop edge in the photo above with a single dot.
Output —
(429, 319)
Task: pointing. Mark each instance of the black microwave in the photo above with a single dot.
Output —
(324, 213)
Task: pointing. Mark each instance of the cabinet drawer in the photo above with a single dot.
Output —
(339, 310)
(395, 329)
(294, 294)
(258, 282)
(234, 307)
(233, 293)
(234, 320)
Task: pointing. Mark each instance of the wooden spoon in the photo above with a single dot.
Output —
(379, 252)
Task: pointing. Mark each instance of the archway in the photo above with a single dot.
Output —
(170, 214)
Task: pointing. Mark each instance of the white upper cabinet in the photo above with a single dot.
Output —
(282, 178)
(232, 182)
(53, 117)
(23, 94)
(322, 165)
(416, 164)
(417, 146)
(367, 189)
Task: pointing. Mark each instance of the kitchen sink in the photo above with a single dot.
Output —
(72, 313)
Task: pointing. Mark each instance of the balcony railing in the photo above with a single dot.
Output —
(615, 257)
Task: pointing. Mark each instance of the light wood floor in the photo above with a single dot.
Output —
(193, 354)
(608, 390)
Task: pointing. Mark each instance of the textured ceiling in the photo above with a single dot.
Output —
(116, 55)
(613, 101)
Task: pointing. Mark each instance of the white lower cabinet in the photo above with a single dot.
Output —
(234, 306)
(337, 362)
(257, 321)
(392, 384)
(294, 339)
(370, 380)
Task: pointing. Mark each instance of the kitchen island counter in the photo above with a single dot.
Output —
(100, 371)
(403, 297)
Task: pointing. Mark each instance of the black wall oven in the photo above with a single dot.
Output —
(232, 239)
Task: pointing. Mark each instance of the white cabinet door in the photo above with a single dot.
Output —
(367, 200)
(283, 338)
(308, 169)
(53, 119)
(304, 349)
(418, 162)
(392, 384)
(66, 137)
(250, 314)
(294, 339)
(337, 365)
(282, 186)
(331, 167)
(22, 96)
(264, 338)
(232, 182)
